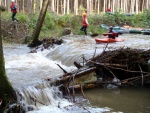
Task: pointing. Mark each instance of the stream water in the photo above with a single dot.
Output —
(27, 73)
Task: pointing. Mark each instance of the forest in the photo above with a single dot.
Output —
(47, 20)
(78, 6)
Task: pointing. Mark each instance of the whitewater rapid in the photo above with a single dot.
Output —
(27, 70)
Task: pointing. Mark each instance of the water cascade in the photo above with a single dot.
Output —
(28, 72)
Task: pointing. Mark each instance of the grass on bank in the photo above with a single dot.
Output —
(54, 25)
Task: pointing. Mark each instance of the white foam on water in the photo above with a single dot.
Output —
(26, 70)
(65, 108)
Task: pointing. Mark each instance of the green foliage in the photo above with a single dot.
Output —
(114, 19)
(63, 21)
(108, 20)
(75, 24)
(94, 24)
(146, 18)
(81, 9)
(95, 19)
(22, 17)
(54, 24)
(75, 21)
(119, 18)
(32, 20)
(136, 20)
(48, 22)
(5, 16)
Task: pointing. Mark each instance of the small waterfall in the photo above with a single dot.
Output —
(27, 72)
(74, 49)
(40, 95)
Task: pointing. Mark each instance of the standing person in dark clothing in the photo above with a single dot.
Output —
(13, 8)
(84, 23)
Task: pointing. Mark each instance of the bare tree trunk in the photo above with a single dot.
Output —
(2, 3)
(95, 7)
(124, 6)
(41, 1)
(34, 6)
(76, 7)
(61, 5)
(88, 7)
(143, 6)
(68, 6)
(57, 6)
(91, 6)
(5, 3)
(64, 7)
(98, 5)
(104, 6)
(52, 5)
(133, 5)
(121, 5)
(113, 7)
(137, 7)
(147, 4)
(39, 23)
(109, 3)
(29, 6)
(23, 6)
(6, 90)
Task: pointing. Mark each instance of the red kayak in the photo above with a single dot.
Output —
(108, 40)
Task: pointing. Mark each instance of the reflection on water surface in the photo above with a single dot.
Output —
(127, 100)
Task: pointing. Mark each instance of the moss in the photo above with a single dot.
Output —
(6, 90)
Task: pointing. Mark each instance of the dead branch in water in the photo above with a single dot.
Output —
(141, 74)
(82, 91)
(129, 66)
(133, 79)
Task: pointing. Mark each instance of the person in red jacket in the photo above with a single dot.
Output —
(13, 8)
(108, 10)
(84, 23)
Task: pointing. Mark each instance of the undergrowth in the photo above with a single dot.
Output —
(54, 25)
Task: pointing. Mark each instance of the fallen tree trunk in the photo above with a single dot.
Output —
(137, 80)
(76, 74)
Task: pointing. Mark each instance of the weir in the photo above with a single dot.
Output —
(28, 71)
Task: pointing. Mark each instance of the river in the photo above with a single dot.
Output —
(28, 73)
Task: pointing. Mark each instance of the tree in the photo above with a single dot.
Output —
(6, 90)
(39, 23)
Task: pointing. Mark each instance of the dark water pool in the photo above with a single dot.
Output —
(126, 100)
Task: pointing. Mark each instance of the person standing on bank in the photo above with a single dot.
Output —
(13, 8)
(84, 23)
